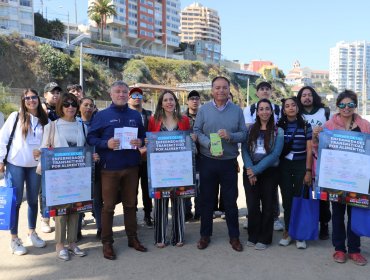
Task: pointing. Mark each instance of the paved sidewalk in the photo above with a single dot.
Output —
(218, 261)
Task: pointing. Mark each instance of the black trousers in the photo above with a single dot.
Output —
(143, 177)
(261, 220)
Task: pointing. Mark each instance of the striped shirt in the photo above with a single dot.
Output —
(298, 151)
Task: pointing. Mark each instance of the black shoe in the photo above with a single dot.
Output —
(196, 217)
(98, 234)
(324, 231)
(148, 222)
(79, 236)
(188, 217)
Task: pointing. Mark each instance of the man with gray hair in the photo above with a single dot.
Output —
(119, 167)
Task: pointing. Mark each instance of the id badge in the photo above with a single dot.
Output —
(34, 141)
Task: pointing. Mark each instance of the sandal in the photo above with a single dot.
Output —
(179, 244)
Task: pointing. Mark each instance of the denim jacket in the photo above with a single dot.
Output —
(269, 160)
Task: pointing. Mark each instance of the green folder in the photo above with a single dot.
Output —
(216, 145)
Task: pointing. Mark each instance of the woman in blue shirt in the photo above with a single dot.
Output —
(261, 154)
(296, 161)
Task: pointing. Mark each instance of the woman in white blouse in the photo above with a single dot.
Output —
(29, 124)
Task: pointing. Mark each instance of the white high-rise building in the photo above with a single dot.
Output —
(148, 24)
(350, 67)
(17, 16)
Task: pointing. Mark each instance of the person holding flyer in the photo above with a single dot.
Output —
(68, 132)
(119, 166)
(28, 126)
(348, 120)
(167, 117)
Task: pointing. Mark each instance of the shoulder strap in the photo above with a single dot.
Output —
(84, 132)
(327, 113)
(253, 108)
(11, 138)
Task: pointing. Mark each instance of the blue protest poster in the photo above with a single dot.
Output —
(68, 179)
(343, 166)
(171, 164)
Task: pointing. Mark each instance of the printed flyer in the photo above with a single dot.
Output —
(343, 167)
(171, 164)
(67, 179)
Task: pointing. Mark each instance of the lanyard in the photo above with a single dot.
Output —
(34, 129)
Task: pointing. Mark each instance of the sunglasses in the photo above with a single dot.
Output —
(28, 98)
(68, 104)
(136, 95)
(349, 105)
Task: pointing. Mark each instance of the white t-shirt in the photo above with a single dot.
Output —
(316, 119)
(250, 119)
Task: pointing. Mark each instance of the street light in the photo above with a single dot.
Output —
(61, 7)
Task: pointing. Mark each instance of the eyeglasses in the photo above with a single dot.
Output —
(136, 95)
(194, 98)
(28, 98)
(349, 105)
(68, 104)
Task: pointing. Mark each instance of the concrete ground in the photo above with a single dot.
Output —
(218, 261)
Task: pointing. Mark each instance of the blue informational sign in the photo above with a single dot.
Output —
(171, 164)
(68, 179)
(343, 166)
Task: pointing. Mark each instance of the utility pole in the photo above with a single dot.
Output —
(81, 68)
(76, 10)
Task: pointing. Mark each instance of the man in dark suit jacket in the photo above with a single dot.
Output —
(135, 102)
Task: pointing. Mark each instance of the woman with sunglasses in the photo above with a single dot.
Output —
(296, 161)
(345, 119)
(260, 155)
(167, 117)
(68, 133)
(29, 125)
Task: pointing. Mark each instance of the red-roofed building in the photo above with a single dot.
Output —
(256, 65)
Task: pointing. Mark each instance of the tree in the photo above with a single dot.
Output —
(56, 29)
(53, 29)
(97, 19)
(104, 9)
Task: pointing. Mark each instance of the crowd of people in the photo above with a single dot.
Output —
(279, 147)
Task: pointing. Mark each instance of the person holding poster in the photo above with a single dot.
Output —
(167, 117)
(261, 154)
(348, 120)
(220, 126)
(119, 164)
(68, 132)
(28, 126)
(296, 161)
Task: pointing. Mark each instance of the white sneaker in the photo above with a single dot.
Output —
(45, 225)
(245, 224)
(217, 214)
(83, 222)
(17, 248)
(278, 226)
(223, 216)
(36, 241)
(260, 246)
(301, 244)
(285, 241)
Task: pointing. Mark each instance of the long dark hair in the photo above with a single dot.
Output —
(316, 99)
(25, 118)
(254, 131)
(159, 112)
(283, 121)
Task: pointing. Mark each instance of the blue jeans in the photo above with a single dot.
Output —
(19, 175)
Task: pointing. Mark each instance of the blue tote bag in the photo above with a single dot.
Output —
(360, 221)
(7, 207)
(304, 217)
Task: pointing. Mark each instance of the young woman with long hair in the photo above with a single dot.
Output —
(260, 154)
(296, 160)
(167, 117)
(21, 166)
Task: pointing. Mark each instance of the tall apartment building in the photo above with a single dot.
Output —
(17, 16)
(148, 24)
(350, 67)
(200, 26)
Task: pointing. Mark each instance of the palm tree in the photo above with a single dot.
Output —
(104, 9)
(97, 19)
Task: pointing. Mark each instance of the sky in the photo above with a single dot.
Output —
(280, 31)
